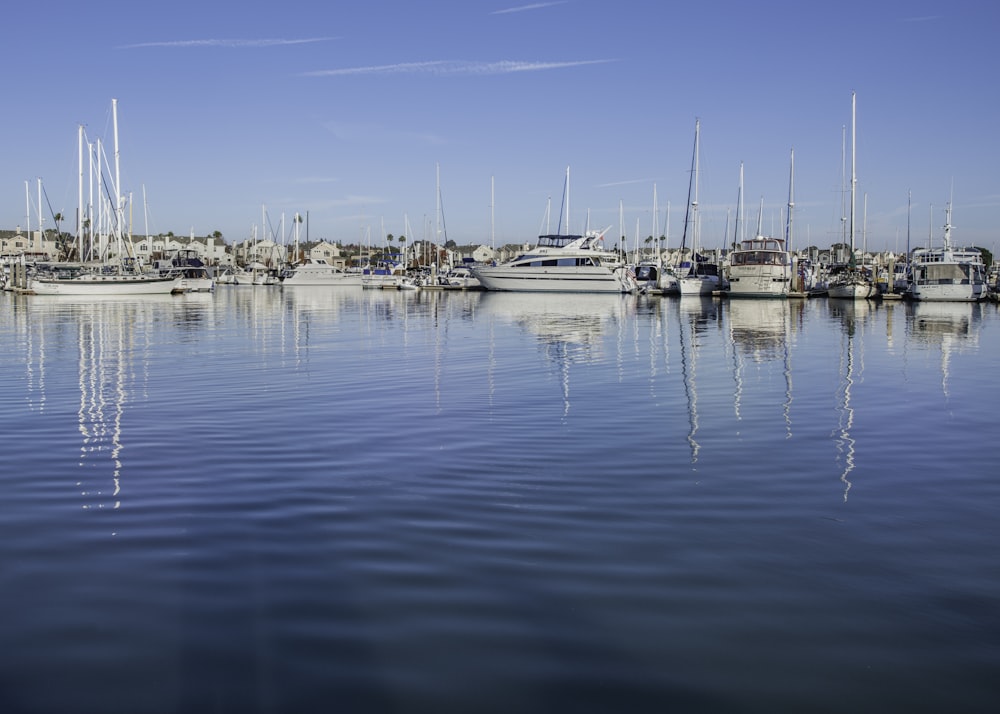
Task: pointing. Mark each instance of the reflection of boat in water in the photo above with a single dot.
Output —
(953, 326)
(569, 328)
(576, 319)
(760, 330)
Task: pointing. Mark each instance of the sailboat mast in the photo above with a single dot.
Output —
(791, 202)
(864, 224)
(666, 232)
(854, 177)
(567, 200)
(689, 209)
(79, 193)
(119, 208)
(694, 204)
(739, 210)
(621, 222)
(909, 199)
(656, 217)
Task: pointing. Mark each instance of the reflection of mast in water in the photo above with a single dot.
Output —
(845, 440)
(688, 324)
(787, 371)
(102, 400)
(35, 378)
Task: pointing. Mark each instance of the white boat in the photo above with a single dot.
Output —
(120, 276)
(697, 275)
(233, 275)
(382, 275)
(760, 266)
(561, 263)
(261, 274)
(192, 271)
(79, 279)
(946, 273)
(459, 277)
(316, 271)
(848, 280)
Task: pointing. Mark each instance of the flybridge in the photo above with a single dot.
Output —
(557, 241)
(584, 242)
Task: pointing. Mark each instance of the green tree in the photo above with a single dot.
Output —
(987, 257)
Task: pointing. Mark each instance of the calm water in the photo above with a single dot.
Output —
(267, 501)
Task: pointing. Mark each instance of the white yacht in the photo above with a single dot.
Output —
(947, 273)
(561, 263)
(459, 277)
(316, 271)
(760, 267)
(192, 271)
(384, 275)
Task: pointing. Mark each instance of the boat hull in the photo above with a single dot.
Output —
(967, 292)
(697, 285)
(584, 279)
(851, 291)
(105, 285)
(347, 280)
(767, 284)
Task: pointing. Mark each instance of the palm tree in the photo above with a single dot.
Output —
(402, 239)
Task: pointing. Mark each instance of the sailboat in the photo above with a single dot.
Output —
(696, 276)
(121, 276)
(848, 280)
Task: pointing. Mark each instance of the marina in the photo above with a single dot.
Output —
(460, 500)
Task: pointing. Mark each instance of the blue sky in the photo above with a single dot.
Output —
(344, 111)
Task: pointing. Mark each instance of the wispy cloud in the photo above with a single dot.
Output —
(275, 42)
(448, 67)
(533, 6)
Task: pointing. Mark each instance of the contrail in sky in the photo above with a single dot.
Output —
(522, 8)
(451, 67)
